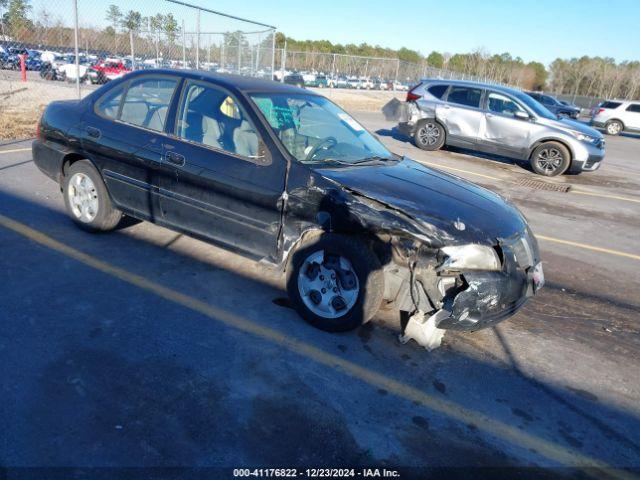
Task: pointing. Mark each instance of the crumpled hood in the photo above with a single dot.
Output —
(435, 198)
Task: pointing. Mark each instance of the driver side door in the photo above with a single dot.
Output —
(503, 133)
(217, 179)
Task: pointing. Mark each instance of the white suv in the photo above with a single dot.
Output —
(617, 116)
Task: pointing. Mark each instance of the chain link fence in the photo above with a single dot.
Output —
(87, 42)
(353, 71)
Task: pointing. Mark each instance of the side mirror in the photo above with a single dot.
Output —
(520, 115)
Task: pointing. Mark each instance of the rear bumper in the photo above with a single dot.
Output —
(48, 159)
(406, 128)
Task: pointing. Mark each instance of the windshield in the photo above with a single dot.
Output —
(314, 130)
(534, 105)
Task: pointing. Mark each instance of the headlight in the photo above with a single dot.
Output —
(470, 257)
(584, 138)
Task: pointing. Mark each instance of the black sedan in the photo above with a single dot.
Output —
(555, 106)
(285, 176)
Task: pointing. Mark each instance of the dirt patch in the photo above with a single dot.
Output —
(21, 105)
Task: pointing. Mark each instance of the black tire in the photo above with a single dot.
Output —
(366, 267)
(107, 216)
(613, 127)
(559, 159)
(429, 135)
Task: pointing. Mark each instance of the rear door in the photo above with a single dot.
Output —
(122, 135)
(217, 179)
(632, 116)
(462, 115)
(503, 132)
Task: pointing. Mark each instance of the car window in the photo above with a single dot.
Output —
(465, 96)
(634, 107)
(147, 102)
(611, 105)
(314, 130)
(547, 100)
(437, 90)
(499, 103)
(109, 104)
(210, 116)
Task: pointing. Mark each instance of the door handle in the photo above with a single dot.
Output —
(93, 132)
(174, 158)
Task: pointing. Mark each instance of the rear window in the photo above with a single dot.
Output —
(469, 97)
(147, 102)
(438, 90)
(610, 105)
(634, 107)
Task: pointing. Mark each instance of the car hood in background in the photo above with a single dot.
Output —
(568, 124)
(463, 210)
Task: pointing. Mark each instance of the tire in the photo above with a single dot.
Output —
(87, 200)
(429, 135)
(326, 254)
(550, 159)
(613, 127)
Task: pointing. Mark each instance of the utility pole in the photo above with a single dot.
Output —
(283, 61)
(198, 41)
(273, 55)
(75, 37)
(184, 47)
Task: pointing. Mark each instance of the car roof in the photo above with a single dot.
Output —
(466, 83)
(229, 81)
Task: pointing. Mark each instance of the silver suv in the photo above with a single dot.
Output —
(617, 116)
(499, 120)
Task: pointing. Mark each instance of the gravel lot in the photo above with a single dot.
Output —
(146, 348)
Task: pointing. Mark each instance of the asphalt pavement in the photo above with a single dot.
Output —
(147, 348)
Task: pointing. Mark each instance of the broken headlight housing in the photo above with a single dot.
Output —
(470, 257)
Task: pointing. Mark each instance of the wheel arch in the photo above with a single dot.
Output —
(615, 119)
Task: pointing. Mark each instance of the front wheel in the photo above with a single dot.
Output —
(429, 135)
(550, 159)
(335, 282)
(87, 200)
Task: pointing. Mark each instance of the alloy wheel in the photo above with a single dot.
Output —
(550, 159)
(83, 197)
(429, 134)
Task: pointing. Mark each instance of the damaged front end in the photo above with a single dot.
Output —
(466, 287)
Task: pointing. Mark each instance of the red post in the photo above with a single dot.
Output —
(23, 66)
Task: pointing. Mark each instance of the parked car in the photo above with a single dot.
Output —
(499, 120)
(318, 81)
(13, 57)
(294, 79)
(556, 106)
(617, 116)
(107, 70)
(284, 175)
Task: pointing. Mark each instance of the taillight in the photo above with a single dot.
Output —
(413, 96)
(600, 110)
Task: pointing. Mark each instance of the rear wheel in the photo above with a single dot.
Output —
(550, 159)
(613, 127)
(87, 200)
(429, 135)
(335, 282)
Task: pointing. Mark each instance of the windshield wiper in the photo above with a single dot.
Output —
(376, 158)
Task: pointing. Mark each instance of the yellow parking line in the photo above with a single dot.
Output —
(15, 150)
(589, 247)
(604, 195)
(552, 451)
